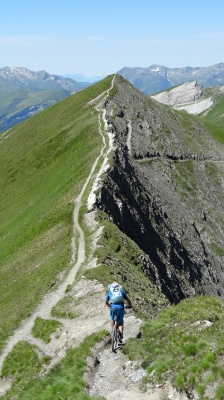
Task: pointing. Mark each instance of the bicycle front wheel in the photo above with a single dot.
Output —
(114, 338)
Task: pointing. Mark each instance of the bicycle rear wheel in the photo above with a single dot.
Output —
(114, 339)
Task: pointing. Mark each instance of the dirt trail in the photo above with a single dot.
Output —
(114, 377)
(54, 348)
(50, 299)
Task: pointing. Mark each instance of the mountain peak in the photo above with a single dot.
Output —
(23, 78)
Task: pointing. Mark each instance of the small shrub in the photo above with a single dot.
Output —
(190, 349)
(192, 380)
(207, 360)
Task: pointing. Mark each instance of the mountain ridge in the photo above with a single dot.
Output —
(37, 90)
(21, 77)
(156, 78)
(154, 223)
(24, 93)
(158, 142)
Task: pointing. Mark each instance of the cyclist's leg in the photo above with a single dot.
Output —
(121, 321)
(112, 318)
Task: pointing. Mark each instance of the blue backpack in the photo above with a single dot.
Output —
(115, 293)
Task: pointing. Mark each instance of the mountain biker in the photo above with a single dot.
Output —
(117, 307)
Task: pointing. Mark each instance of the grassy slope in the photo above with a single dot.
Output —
(64, 381)
(44, 163)
(178, 347)
(42, 156)
(215, 115)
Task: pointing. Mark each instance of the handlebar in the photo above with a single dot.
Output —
(126, 306)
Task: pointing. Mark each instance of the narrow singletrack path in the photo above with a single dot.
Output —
(78, 256)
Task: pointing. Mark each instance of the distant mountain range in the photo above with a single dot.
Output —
(23, 78)
(23, 93)
(157, 78)
(82, 78)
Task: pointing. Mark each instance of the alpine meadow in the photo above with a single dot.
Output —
(110, 184)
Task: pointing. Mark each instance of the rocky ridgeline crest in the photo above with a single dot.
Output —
(165, 191)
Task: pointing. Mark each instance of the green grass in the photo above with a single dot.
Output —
(183, 174)
(22, 363)
(174, 347)
(217, 131)
(215, 115)
(64, 381)
(64, 308)
(217, 249)
(43, 328)
(44, 163)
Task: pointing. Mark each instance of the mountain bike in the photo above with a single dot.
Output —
(115, 333)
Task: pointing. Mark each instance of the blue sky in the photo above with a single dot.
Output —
(97, 37)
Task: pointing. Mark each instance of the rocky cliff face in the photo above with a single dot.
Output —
(188, 96)
(165, 191)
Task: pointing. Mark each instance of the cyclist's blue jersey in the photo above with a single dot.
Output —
(117, 305)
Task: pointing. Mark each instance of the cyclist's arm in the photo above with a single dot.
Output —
(127, 299)
(129, 302)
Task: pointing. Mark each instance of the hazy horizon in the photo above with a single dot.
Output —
(98, 39)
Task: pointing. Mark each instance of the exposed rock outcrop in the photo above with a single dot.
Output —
(188, 96)
(165, 191)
